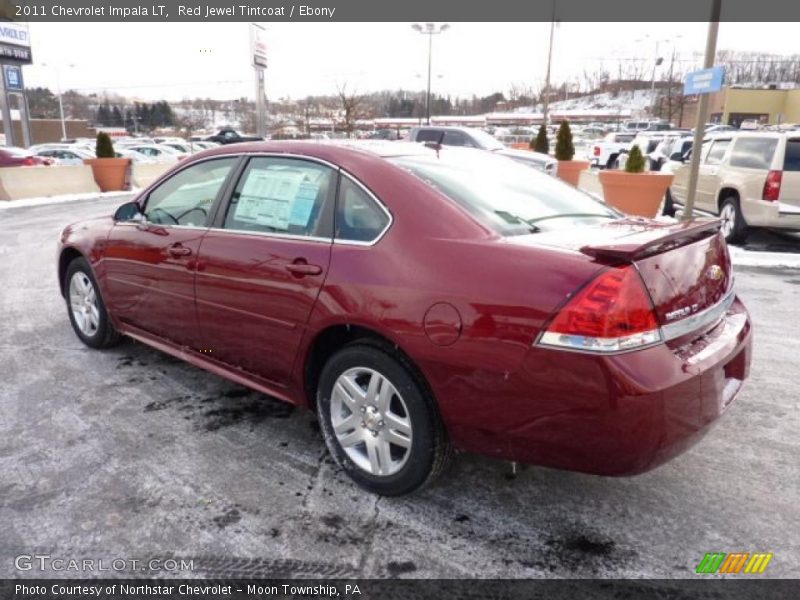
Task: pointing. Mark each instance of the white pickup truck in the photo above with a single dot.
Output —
(604, 153)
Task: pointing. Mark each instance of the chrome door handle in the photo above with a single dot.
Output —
(301, 268)
(178, 250)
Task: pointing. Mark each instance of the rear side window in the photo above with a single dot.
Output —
(753, 153)
(358, 216)
(718, 148)
(456, 138)
(428, 135)
(792, 160)
(283, 196)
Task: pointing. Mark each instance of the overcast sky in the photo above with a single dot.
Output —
(186, 60)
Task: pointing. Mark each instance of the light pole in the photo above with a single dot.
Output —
(430, 30)
(549, 62)
(60, 101)
(657, 60)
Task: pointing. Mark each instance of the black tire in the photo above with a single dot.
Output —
(735, 232)
(103, 335)
(669, 205)
(612, 163)
(429, 451)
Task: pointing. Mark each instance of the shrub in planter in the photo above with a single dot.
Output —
(110, 172)
(540, 143)
(569, 170)
(633, 191)
(104, 148)
(635, 163)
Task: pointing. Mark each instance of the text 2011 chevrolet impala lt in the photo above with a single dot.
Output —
(422, 301)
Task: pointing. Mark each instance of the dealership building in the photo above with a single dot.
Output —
(771, 106)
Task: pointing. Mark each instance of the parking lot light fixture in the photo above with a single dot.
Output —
(60, 101)
(429, 29)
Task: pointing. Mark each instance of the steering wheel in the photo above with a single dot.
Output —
(202, 210)
(158, 209)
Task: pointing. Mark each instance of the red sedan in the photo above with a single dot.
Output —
(19, 157)
(421, 301)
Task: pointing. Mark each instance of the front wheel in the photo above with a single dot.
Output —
(379, 421)
(87, 311)
(734, 227)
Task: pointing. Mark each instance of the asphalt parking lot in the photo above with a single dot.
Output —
(129, 453)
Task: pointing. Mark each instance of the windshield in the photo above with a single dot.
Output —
(486, 141)
(510, 198)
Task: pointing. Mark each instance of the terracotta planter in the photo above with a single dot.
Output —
(635, 193)
(570, 170)
(109, 173)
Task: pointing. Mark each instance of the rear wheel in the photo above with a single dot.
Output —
(734, 227)
(379, 421)
(87, 311)
(669, 206)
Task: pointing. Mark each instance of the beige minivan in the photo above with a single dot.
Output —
(749, 179)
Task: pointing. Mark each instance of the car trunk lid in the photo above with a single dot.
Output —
(685, 266)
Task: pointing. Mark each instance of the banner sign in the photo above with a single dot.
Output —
(704, 81)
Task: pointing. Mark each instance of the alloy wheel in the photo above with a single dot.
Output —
(83, 303)
(371, 421)
(728, 216)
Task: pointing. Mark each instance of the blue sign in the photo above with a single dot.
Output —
(13, 77)
(704, 81)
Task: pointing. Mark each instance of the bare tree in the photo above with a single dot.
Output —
(352, 105)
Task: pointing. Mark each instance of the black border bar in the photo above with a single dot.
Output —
(405, 589)
(399, 10)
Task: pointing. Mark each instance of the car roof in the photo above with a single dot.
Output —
(326, 148)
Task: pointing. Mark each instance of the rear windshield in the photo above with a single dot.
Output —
(753, 153)
(508, 197)
(792, 160)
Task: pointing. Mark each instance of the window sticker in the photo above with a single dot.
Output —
(267, 197)
(303, 204)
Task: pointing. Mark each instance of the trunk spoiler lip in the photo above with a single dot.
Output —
(655, 238)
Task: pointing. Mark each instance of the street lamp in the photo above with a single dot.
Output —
(430, 30)
(60, 101)
(657, 60)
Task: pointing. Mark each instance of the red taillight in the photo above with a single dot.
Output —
(613, 313)
(597, 150)
(772, 186)
(28, 161)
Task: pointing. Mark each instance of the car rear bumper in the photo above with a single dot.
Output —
(777, 215)
(613, 415)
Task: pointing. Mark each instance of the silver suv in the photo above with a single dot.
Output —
(748, 179)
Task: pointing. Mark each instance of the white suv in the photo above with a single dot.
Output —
(749, 179)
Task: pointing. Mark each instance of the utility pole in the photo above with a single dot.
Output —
(702, 111)
(549, 62)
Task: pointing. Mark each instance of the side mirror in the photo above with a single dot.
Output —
(676, 156)
(130, 211)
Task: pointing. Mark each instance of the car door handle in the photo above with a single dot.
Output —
(303, 268)
(179, 249)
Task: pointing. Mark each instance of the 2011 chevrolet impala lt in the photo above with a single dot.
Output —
(422, 300)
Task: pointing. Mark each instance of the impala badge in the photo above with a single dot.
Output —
(715, 272)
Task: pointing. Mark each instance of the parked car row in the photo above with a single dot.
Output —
(138, 149)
